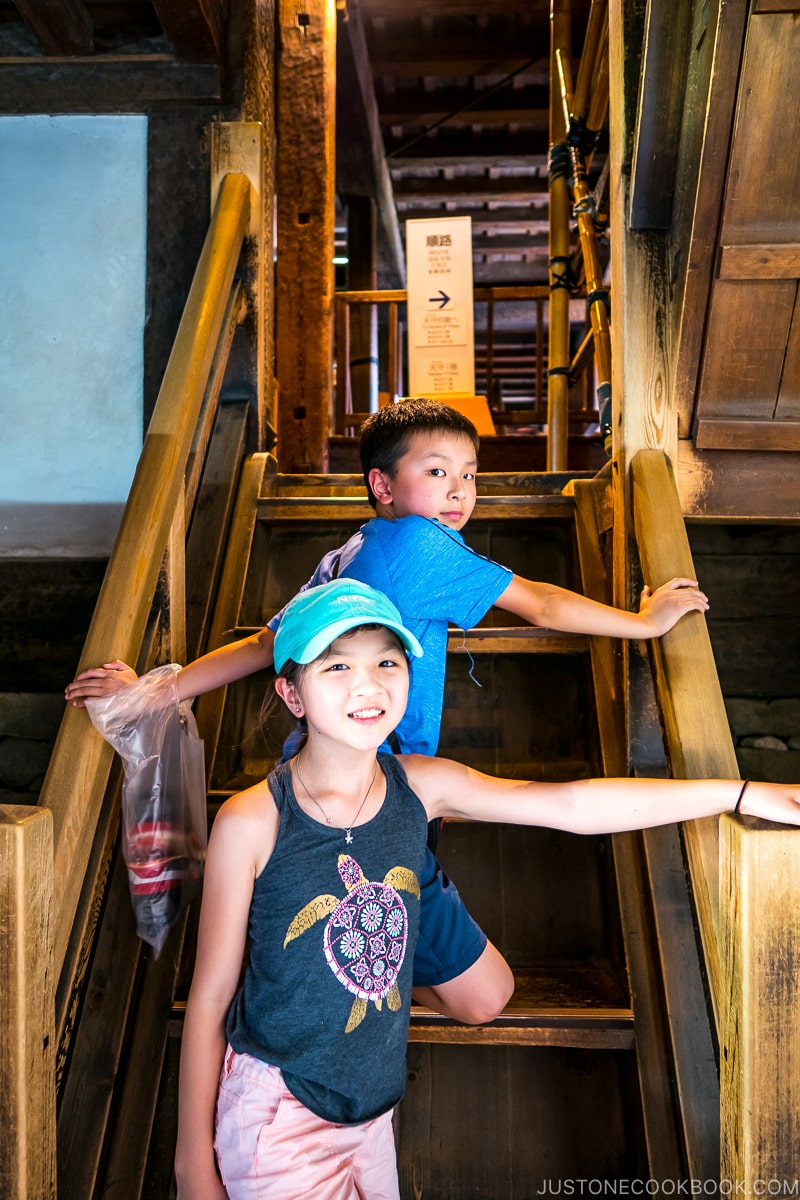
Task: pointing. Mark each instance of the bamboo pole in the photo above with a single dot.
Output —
(596, 294)
(559, 252)
(596, 28)
(78, 770)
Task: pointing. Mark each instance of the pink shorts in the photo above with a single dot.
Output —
(271, 1147)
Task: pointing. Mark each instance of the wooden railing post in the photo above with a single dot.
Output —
(759, 1030)
(27, 1029)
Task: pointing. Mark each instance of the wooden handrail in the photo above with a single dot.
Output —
(695, 723)
(745, 874)
(79, 766)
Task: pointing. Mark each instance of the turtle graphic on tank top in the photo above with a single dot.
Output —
(365, 935)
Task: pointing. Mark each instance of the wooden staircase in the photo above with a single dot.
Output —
(553, 1089)
(577, 1077)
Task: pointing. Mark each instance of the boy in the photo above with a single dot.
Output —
(419, 460)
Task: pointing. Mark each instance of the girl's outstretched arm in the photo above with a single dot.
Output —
(231, 866)
(449, 789)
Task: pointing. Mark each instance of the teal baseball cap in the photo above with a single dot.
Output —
(319, 615)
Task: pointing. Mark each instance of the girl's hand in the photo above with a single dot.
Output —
(663, 608)
(772, 802)
(99, 682)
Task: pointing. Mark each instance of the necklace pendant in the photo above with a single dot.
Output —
(348, 837)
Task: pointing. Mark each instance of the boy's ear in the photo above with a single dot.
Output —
(289, 695)
(381, 485)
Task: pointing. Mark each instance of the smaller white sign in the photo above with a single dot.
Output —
(440, 328)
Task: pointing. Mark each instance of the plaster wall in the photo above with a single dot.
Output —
(73, 208)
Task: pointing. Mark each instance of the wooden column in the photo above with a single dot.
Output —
(304, 280)
(27, 1028)
(237, 147)
(642, 414)
(363, 277)
(759, 1032)
(258, 34)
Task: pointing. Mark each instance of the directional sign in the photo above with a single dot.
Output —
(441, 342)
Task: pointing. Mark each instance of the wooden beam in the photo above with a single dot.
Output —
(455, 8)
(760, 261)
(401, 53)
(361, 167)
(60, 26)
(477, 186)
(133, 84)
(730, 485)
(759, 1034)
(27, 1028)
(747, 435)
(492, 149)
(304, 272)
(530, 217)
(660, 111)
(196, 28)
(463, 105)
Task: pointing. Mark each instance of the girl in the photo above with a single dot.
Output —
(317, 868)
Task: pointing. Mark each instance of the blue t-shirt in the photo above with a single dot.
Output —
(434, 578)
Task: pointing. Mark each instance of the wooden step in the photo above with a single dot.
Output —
(522, 639)
(546, 483)
(356, 508)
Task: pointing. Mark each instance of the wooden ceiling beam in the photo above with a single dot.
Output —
(361, 167)
(409, 58)
(528, 189)
(130, 84)
(503, 273)
(196, 28)
(388, 9)
(492, 149)
(499, 220)
(418, 106)
(62, 27)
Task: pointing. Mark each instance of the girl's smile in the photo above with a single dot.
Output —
(360, 684)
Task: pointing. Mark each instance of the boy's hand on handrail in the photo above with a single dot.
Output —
(663, 608)
(97, 683)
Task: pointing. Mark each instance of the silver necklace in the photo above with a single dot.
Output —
(348, 834)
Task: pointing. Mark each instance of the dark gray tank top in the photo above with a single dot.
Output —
(327, 989)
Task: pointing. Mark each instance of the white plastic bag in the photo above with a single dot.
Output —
(164, 822)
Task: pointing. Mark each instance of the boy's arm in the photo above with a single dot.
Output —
(588, 806)
(553, 607)
(215, 669)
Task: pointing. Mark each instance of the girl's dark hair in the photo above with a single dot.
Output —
(386, 435)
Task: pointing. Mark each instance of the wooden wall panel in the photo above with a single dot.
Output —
(749, 393)
(748, 329)
(788, 408)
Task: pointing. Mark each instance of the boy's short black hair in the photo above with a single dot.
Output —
(386, 434)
